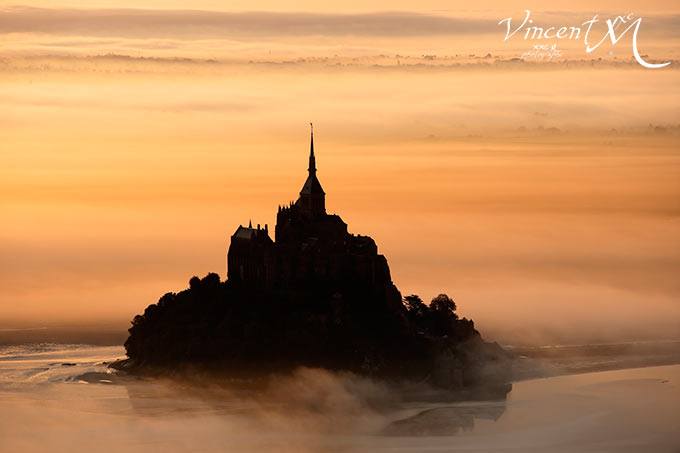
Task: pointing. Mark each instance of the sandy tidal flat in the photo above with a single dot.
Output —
(56, 398)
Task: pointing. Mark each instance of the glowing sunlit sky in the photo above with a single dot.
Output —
(544, 197)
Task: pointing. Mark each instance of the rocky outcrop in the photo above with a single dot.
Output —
(246, 332)
(315, 296)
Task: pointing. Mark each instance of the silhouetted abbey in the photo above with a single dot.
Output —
(315, 296)
(310, 245)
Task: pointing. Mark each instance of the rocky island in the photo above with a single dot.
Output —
(315, 296)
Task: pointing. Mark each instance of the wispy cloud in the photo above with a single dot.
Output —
(198, 24)
(201, 24)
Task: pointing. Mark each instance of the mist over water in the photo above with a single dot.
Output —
(62, 397)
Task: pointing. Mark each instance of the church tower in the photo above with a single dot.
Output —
(312, 199)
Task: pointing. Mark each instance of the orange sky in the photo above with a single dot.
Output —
(539, 196)
(358, 5)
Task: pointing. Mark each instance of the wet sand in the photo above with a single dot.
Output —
(61, 399)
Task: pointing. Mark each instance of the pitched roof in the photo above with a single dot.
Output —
(248, 233)
(244, 233)
(312, 186)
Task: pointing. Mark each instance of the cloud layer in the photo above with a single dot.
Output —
(196, 23)
(192, 23)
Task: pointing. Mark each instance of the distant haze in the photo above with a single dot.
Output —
(544, 198)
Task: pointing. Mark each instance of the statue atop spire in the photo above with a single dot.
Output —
(312, 159)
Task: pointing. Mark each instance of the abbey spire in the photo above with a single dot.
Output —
(312, 197)
(312, 159)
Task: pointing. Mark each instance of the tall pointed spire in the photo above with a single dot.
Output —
(312, 197)
(312, 159)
